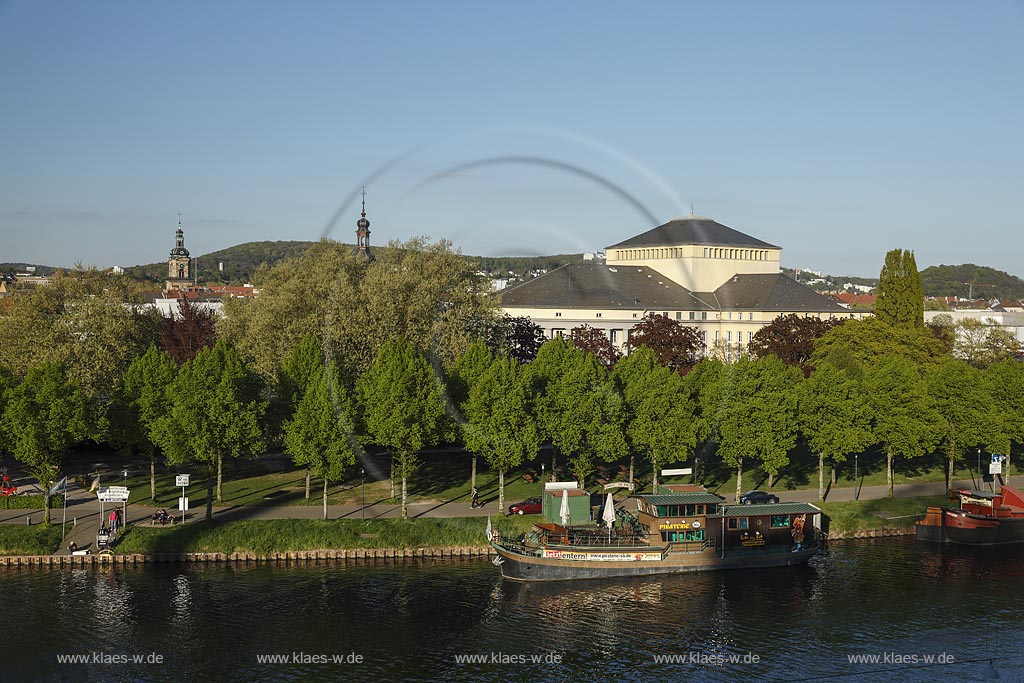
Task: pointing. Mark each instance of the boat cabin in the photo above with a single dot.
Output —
(694, 520)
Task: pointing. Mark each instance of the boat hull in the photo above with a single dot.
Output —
(955, 527)
(532, 568)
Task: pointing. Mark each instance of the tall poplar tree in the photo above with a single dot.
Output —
(900, 293)
(470, 366)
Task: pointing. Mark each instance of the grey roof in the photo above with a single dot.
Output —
(693, 230)
(693, 498)
(768, 509)
(769, 292)
(593, 285)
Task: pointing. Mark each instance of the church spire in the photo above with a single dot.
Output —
(363, 232)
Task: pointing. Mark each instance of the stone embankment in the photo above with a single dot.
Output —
(292, 556)
(870, 533)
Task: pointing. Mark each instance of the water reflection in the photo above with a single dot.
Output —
(412, 621)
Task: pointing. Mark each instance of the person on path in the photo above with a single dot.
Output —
(475, 499)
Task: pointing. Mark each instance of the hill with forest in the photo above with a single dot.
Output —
(241, 261)
(969, 280)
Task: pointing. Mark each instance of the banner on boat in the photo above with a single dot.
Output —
(602, 557)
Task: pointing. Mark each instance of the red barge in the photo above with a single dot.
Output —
(983, 518)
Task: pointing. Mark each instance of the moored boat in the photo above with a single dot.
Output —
(983, 518)
(669, 533)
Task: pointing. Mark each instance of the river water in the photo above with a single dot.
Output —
(890, 599)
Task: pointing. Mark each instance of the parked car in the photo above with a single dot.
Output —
(530, 506)
(758, 498)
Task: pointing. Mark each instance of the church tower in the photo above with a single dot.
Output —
(363, 233)
(179, 265)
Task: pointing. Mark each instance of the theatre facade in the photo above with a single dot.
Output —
(692, 269)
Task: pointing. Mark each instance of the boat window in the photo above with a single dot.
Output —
(700, 510)
(691, 510)
(711, 509)
(738, 523)
(663, 510)
(780, 521)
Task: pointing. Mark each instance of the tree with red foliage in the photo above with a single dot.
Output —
(189, 331)
(791, 338)
(521, 338)
(676, 346)
(596, 343)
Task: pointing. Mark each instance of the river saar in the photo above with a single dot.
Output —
(873, 610)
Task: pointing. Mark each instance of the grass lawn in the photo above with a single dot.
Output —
(880, 513)
(38, 539)
(279, 535)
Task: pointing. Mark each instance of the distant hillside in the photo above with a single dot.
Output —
(831, 282)
(987, 283)
(242, 260)
(15, 268)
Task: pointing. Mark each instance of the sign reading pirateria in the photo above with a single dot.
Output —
(113, 494)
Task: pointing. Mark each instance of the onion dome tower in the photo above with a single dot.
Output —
(363, 233)
(179, 264)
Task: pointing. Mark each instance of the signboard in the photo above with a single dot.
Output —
(677, 473)
(602, 557)
(619, 485)
(181, 480)
(995, 468)
(561, 485)
(113, 494)
(183, 504)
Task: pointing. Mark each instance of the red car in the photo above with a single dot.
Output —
(530, 506)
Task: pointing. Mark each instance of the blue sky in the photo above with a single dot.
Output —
(835, 131)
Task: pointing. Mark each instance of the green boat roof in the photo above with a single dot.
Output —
(768, 509)
(691, 498)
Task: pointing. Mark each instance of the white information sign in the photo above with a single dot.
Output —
(183, 504)
(995, 468)
(113, 494)
(181, 480)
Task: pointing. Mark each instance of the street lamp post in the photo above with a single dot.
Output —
(124, 510)
(542, 476)
(856, 476)
(362, 486)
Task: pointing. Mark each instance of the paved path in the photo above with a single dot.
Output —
(83, 510)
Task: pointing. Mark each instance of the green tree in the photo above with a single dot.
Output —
(471, 365)
(900, 300)
(660, 412)
(580, 409)
(501, 424)
(904, 421)
(214, 410)
(758, 421)
(403, 407)
(709, 387)
(44, 415)
(983, 343)
(834, 417)
(141, 402)
(870, 340)
(90, 323)
(957, 393)
(297, 372)
(1003, 384)
(320, 436)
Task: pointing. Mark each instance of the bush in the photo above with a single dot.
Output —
(29, 502)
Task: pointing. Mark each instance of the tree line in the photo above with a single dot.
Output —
(409, 352)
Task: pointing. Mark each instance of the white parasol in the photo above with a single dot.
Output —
(563, 512)
(609, 511)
